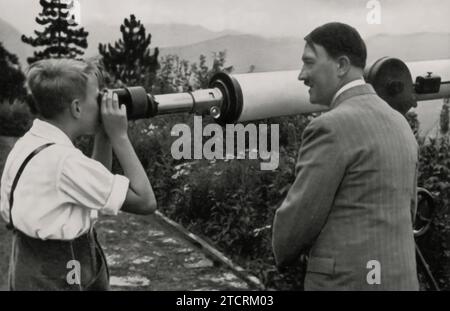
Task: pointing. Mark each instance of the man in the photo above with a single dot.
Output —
(353, 198)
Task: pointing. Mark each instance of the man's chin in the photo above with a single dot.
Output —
(314, 101)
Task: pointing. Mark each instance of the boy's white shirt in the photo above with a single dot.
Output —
(60, 190)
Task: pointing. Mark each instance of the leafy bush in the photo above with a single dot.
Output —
(12, 79)
(434, 175)
(15, 119)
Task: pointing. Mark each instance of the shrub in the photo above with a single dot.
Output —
(15, 119)
(434, 175)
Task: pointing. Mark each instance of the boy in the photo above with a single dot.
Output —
(51, 193)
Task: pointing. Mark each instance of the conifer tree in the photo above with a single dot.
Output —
(129, 61)
(61, 37)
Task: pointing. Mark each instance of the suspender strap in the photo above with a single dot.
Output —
(10, 226)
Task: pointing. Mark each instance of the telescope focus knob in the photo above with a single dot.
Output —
(214, 112)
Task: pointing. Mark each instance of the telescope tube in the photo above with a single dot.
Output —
(244, 97)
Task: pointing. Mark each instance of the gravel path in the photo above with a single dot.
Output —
(144, 254)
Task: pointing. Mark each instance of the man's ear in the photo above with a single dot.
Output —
(75, 108)
(344, 65)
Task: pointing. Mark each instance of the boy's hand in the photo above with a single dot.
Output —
(114, 118)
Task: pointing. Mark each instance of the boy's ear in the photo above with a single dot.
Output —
(75, 109)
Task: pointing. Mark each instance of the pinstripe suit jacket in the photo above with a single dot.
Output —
(353, 198)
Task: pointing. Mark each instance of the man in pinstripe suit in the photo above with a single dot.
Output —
(354, 196)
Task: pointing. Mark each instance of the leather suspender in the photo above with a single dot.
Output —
(10, 226)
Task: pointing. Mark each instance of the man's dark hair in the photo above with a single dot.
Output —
(340, 39)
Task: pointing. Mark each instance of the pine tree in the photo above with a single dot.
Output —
(12, 79)
(129, 61)
(61, 38)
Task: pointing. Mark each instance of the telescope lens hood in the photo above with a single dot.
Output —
(392, 80)
(232, 97)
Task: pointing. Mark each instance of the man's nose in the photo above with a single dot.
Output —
(302, 76)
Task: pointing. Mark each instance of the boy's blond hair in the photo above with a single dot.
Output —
(54, 83)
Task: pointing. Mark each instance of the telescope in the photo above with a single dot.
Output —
(234, 98)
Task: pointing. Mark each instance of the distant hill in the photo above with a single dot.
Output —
(284, 53)
(244, 50)
(10, 37)
(410, 47)
(163, 35)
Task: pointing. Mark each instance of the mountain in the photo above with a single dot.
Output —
(243, 50)
(10, 37)
(181, 34)
(163, 35)
(284, 53)
(246, 50)
(409, 47)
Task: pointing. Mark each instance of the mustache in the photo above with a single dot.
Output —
(307, 83)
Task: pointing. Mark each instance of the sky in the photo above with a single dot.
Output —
(270, 18)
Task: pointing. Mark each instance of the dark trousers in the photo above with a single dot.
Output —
(48, 264)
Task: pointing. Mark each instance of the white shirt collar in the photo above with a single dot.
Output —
(50, 132)
(347, 86)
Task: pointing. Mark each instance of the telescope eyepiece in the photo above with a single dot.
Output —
(140, 105)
